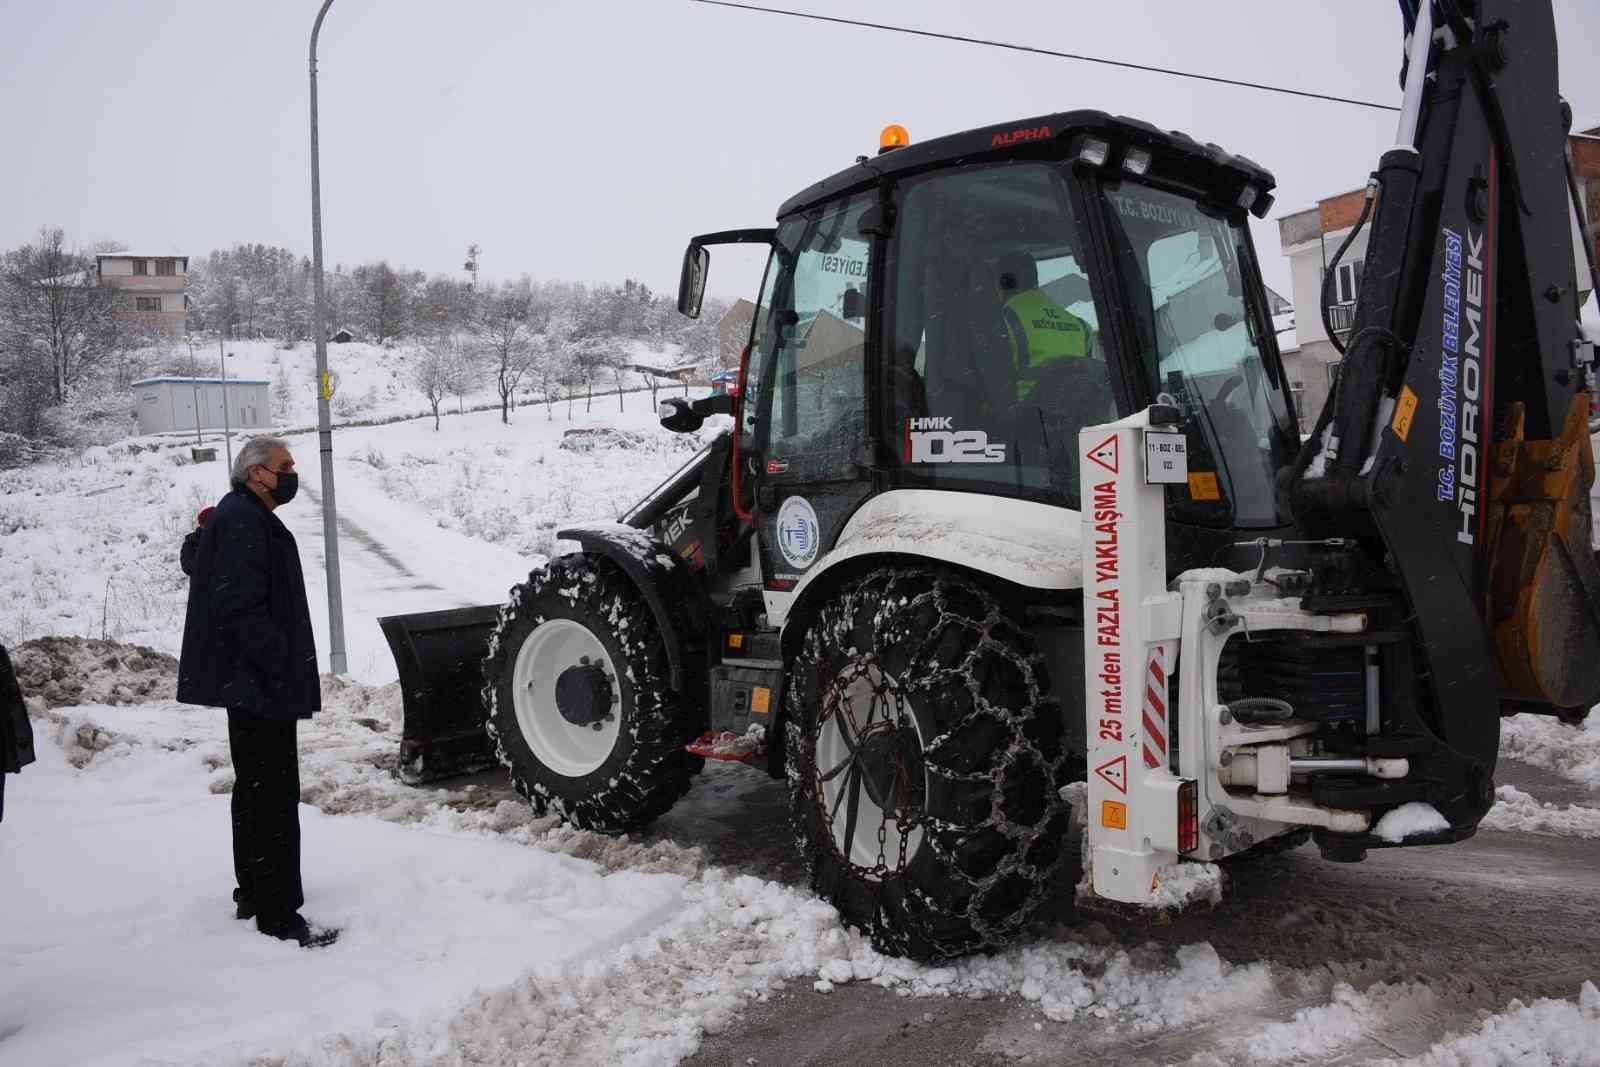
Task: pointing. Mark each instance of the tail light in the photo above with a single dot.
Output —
(1188, 816)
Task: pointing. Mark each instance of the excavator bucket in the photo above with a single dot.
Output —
(440, 657)
(1544, 588)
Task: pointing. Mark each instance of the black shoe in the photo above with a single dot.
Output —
(292, 927)
(243, 906)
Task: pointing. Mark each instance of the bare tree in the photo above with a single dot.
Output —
(652, 381)
(619, 372)
(464, 367)
(550, 369)
(432, 365)
(505, 336)
(55, 310)
(589, 357)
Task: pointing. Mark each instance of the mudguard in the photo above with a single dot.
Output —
(670, 588)
(1023, 542)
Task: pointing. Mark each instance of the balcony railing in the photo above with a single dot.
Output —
(1341, 317)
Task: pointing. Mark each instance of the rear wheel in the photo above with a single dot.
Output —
(580, 707)
(925, 763)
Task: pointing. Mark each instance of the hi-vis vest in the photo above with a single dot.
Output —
(1041, 332)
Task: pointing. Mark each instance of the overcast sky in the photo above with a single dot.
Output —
(587, 139)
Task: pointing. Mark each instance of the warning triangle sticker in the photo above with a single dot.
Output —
(1105, 453)
(1115, 773)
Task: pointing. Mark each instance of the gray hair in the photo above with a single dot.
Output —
(257, 452)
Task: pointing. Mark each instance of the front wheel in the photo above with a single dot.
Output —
(580, 706)
(926, 761)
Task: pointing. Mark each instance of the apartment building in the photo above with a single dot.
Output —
(150, 289)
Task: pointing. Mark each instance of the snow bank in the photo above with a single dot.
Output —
(1546, 742)
(1546, 1033)
(1520, 812)
(1410, 820)
(1317, 1032)
(74, 670)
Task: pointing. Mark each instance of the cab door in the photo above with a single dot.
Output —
(806, 401)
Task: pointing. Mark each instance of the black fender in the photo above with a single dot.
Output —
(671, 589)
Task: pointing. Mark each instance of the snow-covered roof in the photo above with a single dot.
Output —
(141, 255)
(201, 381)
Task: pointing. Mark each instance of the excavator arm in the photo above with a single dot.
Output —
(1454, 453)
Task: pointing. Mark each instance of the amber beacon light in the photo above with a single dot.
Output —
(893, 136)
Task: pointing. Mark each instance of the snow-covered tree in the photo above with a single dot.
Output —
(282, 392)
(430, 369)
(55, 313)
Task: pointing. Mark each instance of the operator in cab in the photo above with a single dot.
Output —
(1041, 332)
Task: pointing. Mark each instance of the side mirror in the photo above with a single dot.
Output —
(679, 417)
(686, 416)
(692, 280)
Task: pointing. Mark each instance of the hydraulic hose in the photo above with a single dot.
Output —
(1333, 268)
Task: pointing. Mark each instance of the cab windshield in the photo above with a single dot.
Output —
(1185, 274)
(1000, 348)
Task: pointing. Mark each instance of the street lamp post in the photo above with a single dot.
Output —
(330, 521)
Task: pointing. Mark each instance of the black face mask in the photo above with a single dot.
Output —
(284, 491)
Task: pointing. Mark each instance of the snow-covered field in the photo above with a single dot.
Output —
(373, 381)
(476, 933)
(429, 520)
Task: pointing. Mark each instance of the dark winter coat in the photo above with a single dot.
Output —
(16, 733)
(247, 640)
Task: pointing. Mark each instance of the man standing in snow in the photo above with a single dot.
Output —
(247, 647)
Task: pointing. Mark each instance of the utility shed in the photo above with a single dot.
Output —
(167, 404)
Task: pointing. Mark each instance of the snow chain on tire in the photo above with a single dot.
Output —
(647, 769)
(925, 675)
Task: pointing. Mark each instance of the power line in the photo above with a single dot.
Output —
(1051, 52)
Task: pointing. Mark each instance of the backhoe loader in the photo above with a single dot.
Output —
(1013, 497)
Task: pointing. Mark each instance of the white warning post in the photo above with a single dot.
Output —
(1130, 633)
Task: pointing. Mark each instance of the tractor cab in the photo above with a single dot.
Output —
(947, 316)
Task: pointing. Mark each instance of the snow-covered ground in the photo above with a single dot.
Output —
(475, 932)
(429, 520)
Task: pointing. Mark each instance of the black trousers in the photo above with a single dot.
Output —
(266, 812)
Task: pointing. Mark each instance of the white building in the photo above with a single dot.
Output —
(1310, 239)
(167, 404)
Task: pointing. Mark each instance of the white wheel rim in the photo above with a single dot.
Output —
(859, 711)
(566, 748)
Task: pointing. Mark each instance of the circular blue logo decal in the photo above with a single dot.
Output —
(799, 533)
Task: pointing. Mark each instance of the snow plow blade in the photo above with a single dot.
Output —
(440, 657)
